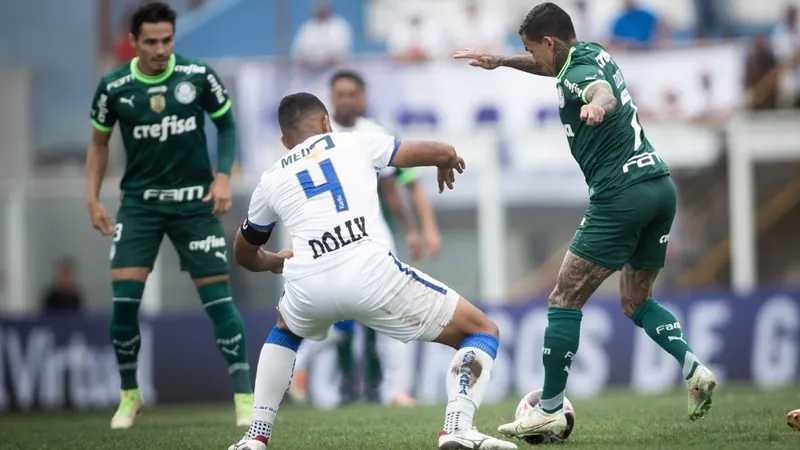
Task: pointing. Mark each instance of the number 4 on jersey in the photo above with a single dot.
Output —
(331, 184)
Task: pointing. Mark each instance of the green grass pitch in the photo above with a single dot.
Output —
(743, 418)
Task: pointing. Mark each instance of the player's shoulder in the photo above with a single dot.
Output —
(191, 66)
(117, 77)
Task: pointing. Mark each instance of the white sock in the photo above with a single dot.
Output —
(275, 367)
(467, 379)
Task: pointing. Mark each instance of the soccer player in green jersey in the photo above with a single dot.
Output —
(160, 100)
(626, 226)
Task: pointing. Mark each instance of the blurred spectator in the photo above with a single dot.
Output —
(712, 18)
(123, 50)
(64, 294)
(585, 24)
(761, 76)
(324, 40)
(416, 39)
(786, 43)
(636, 28)
(478, 28)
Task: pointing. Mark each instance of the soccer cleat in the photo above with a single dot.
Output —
(258, 443)
(472, 439)
(793, 419)
(129, 406)
(701, 389)
(536, 423)
(244, 409)
(298, 390)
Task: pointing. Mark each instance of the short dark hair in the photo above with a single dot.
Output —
(348, 74)
(294, 108)
(152, 12)
(547, 19)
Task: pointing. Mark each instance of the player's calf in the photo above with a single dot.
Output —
(273, 376)
(476, 338)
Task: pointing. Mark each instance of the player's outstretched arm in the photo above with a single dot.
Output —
(248, 253)
(96, 163)
(525, 63)
(431, 153)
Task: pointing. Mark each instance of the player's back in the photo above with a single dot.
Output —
(325, 193)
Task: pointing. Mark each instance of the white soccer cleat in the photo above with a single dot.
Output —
(130, 404)
(701, 389)
(259, 443)
(472, 439)
(536, 423)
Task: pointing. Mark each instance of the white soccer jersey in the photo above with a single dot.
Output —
(364, 125)
(325, 193)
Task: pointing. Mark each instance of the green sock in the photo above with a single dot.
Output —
(125, 335)
(664, 329)
(229, 333)
(372, 363)
(561, 338)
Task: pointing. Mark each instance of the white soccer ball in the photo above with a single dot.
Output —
(526, 405)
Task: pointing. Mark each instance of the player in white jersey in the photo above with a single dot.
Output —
(325, 193)
(349, 101)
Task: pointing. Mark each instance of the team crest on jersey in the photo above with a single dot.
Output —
(185, 92)
(158, 103)
(561, 100)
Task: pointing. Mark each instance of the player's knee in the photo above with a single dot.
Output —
(282, 336)
(488, 326)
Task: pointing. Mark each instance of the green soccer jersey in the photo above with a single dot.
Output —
(161, 119)
(403, 177)
(616, 153)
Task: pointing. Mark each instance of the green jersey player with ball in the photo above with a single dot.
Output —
(626, 226)
(160, 101)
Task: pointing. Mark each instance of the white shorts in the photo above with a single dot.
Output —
(373, 288)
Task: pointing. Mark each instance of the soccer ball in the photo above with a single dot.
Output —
(526, 405)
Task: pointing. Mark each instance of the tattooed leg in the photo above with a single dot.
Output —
(577, 281)
(636, 291)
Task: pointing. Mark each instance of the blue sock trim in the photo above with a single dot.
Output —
(483, 341)
(345, 325)
(284, 339)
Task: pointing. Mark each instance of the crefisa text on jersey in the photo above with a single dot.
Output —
(333, 240)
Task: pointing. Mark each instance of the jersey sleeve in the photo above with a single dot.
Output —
(260, 215)
(381, 147)
(103, 115)
(579, 78)
(215, 99)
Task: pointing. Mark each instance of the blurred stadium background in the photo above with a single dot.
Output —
(717, 83)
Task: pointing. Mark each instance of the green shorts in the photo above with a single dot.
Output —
(632, 227)
(198, 236)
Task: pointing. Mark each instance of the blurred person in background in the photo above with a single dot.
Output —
(324, 40)
(479, 28)
(349, 100)
(711, 19)
(169, 187)
(761, 75)
(64, 294)
(416, 39)
(636, 27)
(586, 23)
(786, 44)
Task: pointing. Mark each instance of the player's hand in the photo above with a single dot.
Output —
(478, 59)
(433, 242)
(281, 256)
(415, 247)
(101, 221)
(447, 173)
(220, 193)
(592, 114)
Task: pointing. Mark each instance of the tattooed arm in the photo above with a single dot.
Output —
(525, 63)
(600, 94)
(600, 100)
